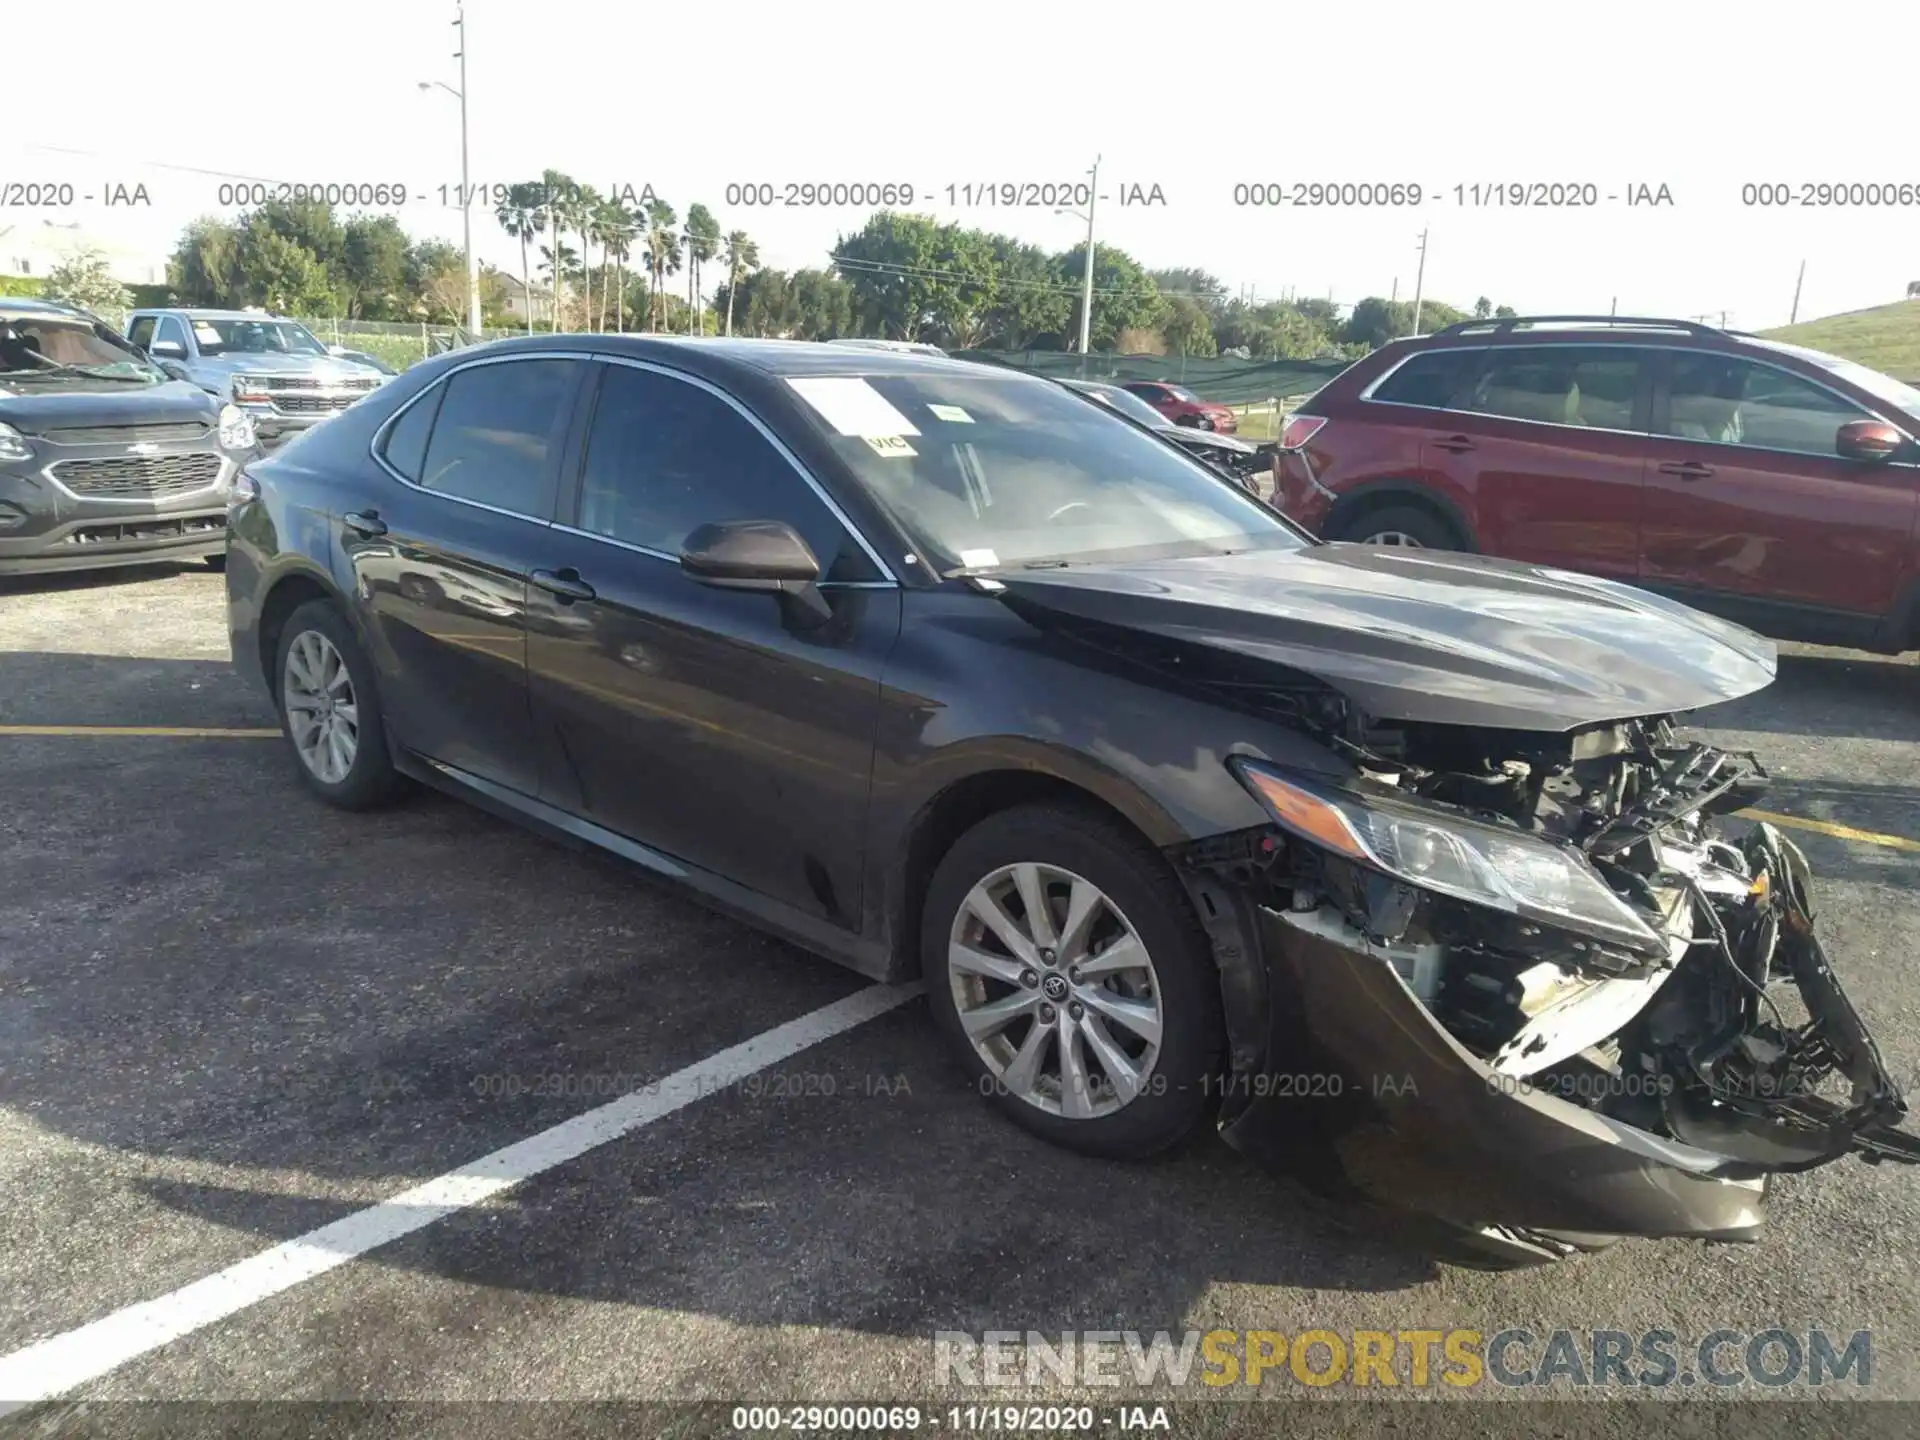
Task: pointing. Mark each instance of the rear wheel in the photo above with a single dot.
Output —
(330, 711)
(1406, 526)
(1067, 971)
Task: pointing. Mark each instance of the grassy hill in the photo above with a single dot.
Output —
(1886, 337)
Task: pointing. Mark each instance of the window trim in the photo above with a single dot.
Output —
(568, 500)
(1660, 395)
(376, 447)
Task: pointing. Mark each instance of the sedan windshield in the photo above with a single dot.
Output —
(68, 345)
(1128, 404)
(988, 472)
(254, 337)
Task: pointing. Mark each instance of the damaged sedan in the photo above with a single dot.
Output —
(1398, 867)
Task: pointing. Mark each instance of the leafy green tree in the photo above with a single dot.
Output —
(1503, 312)
(85, 279)
(1187, 328)
(437, 274)
(204, 266)
(821, 306)
(1124, 296)
(740, 256)
(373, 265)
(284, 276)
(893, 265)
(1482, 308)
(1028, 298)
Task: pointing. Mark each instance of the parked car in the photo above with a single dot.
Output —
(1183, 816)
(1248, 464)
(1771, 484)
(104, 460)
(1182, 406)
(276, 370)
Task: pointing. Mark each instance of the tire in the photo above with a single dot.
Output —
(1066, 847)
(369, 779)
(1427, 530)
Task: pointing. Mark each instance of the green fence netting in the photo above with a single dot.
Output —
(1231, 382)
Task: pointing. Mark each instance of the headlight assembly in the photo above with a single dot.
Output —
(1500, 868)
(13, 445)
(236, 428)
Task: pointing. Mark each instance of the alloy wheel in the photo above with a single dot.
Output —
(1055, 990)
(323, 713)
(1393, 537)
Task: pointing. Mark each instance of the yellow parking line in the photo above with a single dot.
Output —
(178, 732)
(1843, 832)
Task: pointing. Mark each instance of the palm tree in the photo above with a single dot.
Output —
(555, 186)
(582, 204)
(618, 228)
(663, 257)
(740, 256)
(519, 215)
(703, 243)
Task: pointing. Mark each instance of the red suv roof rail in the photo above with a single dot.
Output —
(1626, 322)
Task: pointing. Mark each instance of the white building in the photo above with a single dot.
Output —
(32, 245)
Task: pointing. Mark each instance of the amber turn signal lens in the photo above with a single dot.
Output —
(1306, 813)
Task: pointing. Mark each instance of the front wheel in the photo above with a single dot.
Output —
(1066, 968)
(1403, 526)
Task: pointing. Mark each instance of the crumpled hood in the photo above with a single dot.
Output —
(1425, 634)
(37, 407)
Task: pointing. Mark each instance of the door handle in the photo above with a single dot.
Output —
(1687, 469)
(1458, 444)
(364, 522)
(565, 584)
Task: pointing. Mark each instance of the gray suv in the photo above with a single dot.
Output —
(276, 370)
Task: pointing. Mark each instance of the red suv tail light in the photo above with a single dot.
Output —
(1299, 429)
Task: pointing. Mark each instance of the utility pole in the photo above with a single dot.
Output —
(1613, 308)
(1394, 298)
(1419, 282)
(1795, 316)
(466, 190)
(1086, 292)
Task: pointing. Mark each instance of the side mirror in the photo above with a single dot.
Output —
(764, 555)
(1868, 440)
(336, 350)
(167, 350)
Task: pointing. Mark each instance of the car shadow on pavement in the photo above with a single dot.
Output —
(234, 1014)
(105, 578)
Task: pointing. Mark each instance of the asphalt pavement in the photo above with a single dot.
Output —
(231, 1018)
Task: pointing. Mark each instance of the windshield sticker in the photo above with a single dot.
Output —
(206, 334)
(979, 559)
(951, 412)
(891, 446)
(851, 406)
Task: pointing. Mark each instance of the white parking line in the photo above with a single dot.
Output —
(54, 1366)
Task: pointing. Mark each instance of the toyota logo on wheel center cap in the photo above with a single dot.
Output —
(1055, 987)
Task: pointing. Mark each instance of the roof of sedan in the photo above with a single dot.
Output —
(771, 357)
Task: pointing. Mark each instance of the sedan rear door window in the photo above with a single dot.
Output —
(497, 429)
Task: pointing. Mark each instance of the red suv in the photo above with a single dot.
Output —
(1773, 485)
(1183, 407)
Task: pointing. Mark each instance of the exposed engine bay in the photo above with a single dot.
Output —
(1737, 1040)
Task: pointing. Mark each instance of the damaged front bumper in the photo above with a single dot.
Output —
(1527, 1150)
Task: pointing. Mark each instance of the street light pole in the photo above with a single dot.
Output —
(1419, 282)
(1086, 292)
(466, 187)
(466, 191)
